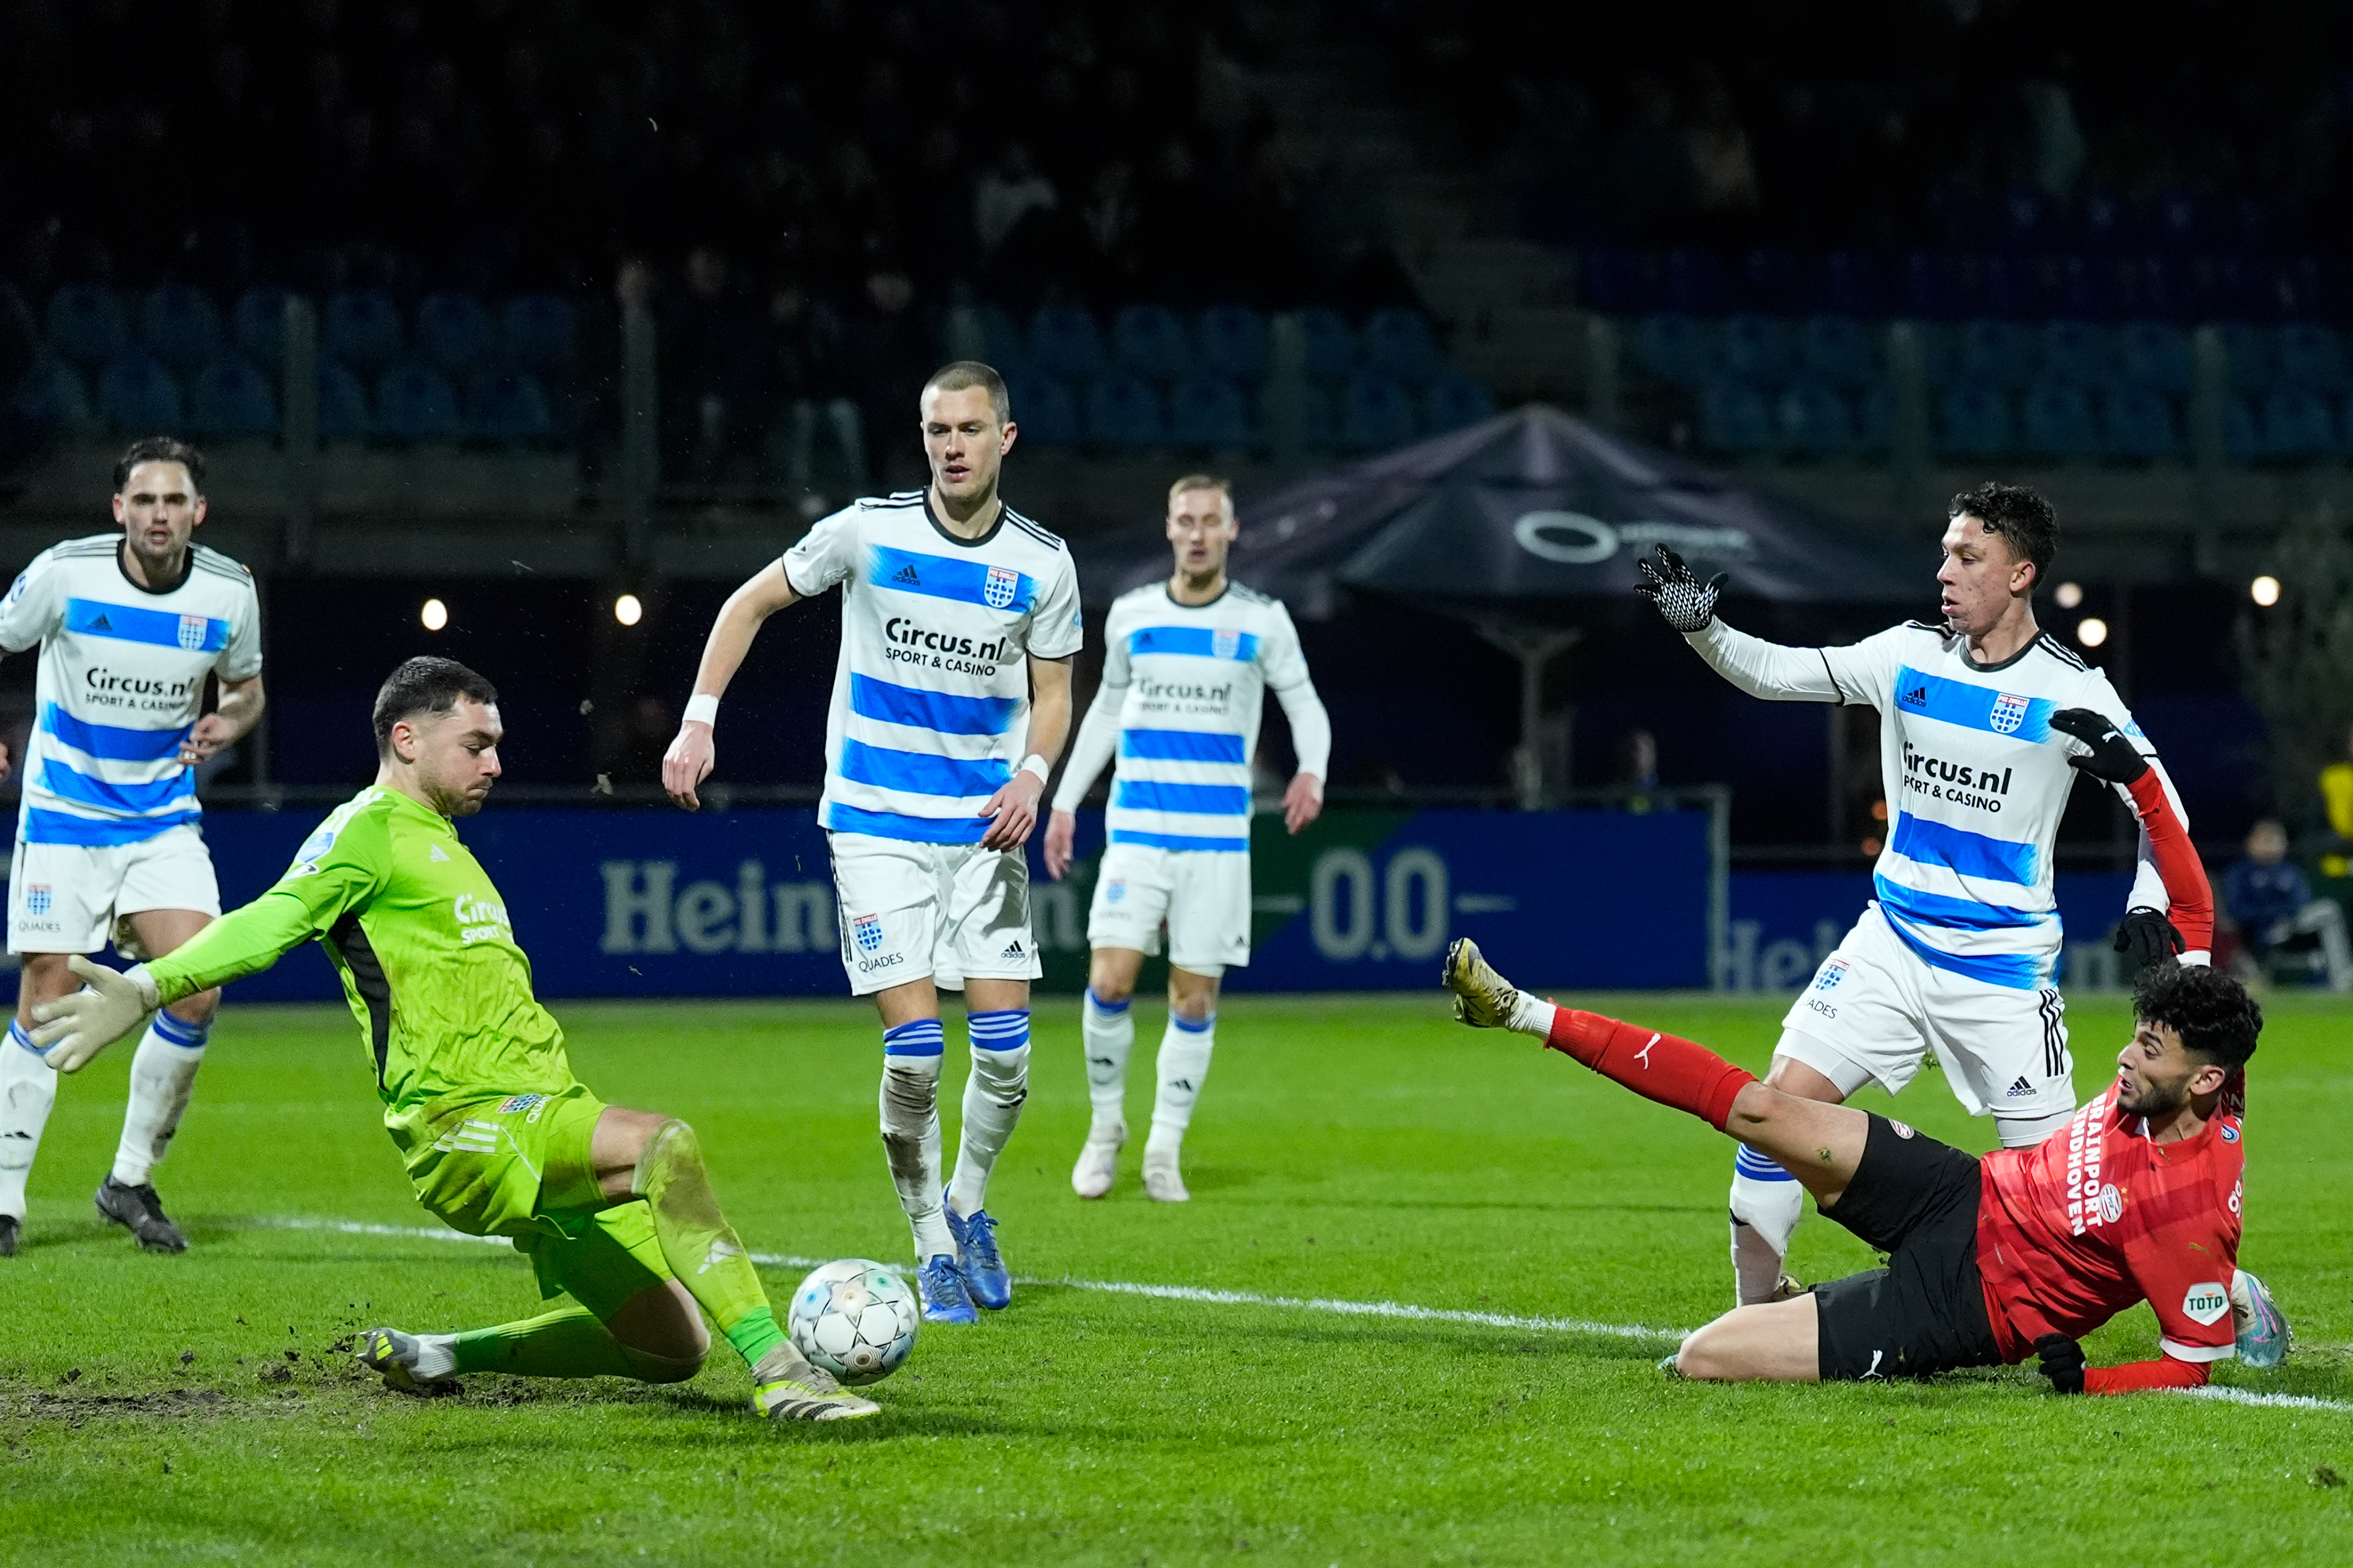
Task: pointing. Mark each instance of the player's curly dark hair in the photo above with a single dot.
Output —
(2023, 519)
(2217, 1020)
(160, 449)
(425, 685)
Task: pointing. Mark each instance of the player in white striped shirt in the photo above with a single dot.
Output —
(1186, 665)
(129, 625)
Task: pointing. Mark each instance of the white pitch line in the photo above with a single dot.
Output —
(1394, 1309)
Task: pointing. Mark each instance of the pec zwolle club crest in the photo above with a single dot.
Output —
(1225, 642)
(2008, 712)
(1002, 584)
(36, 899)
(192, 633)
(867, 930)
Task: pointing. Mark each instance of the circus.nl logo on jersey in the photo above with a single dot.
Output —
(1003, 583)
(2008, 712)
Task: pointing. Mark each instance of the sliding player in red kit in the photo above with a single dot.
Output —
(1991, 1260)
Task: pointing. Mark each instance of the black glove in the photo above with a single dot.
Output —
(2062, 1363)
(2113, 756)
(1667, 583)
(2147, 937)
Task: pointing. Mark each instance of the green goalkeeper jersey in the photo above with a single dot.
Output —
(421, 940)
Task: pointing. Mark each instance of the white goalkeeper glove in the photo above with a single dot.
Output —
(112, 1004)
(1686, 603)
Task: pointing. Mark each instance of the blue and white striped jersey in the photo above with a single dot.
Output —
(1186, 684)
(1976, 782)
(931, 697)
(122, 681)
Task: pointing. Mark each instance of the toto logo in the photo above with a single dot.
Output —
(1570, 538)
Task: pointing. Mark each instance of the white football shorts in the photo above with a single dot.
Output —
(65, 897)
(942, 912)
(1876, 1009)
(1203, 896)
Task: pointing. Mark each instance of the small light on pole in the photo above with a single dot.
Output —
(2265, 590)
(2092, 631)
(2069, 596)
(628, 610)
(434, 614)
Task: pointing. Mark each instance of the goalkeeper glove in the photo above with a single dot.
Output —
(2062, 1363)
(72, 1029)
(2147, 937)
(2113, 756)
(1686, 603)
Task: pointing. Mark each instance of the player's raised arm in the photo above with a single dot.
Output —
(1760, 668)
(2167, 855)
(693, 753)
(1013, 809)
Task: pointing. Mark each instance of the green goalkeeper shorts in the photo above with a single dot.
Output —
(518, 1165)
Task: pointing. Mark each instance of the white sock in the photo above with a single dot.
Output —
(162, 1072)
(993, 1094)
(2026, 1131)
(1767, 1204)
(29, 1087)
(1185, 1049)
(1532, 1016)
(1109, 1032)
(911, 1130)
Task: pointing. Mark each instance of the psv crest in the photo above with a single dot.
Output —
(1003, 583)
(1225, 643)
(192, 632)
(2008, 712)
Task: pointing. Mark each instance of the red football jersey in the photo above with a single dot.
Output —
(2097, 1217)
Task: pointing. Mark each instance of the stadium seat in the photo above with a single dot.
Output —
(1850, 284)
(1974, 420)
(1319, 427)
(180, 325)
(2154, 355)
(2242, 437)
(230, 397)
(2075, 351)
(2312, 357)
(1756, 350)
(258, 324)
(1063, 342)
(1124, 413)
(1234, 342)
(2138, 421)
(2297, 424)
(455, 333)
(1207, 411)
(342, 403)
(1454, 401)
(51, 397)
(1931, 285)
(1375, 413)
(414, 402)
(2248, 350)
(1696, 281)
(1398, 344)
(1044, 409)
(1734, 417)
(1001, 343)
(1772, 280)
(2057, 420)
(362, 328)
(507, 404)
(2095, 287)
(86, 325)
(2015, 288)
(137, 397)
(1331, 346)
(1676, 349)
(1990, 353)
(538, 332)
(1621, 280)
(1815, 421)
(1150, 340)
(1836, 350)
(1874, 418)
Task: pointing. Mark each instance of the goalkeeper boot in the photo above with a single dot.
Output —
(1098, 1164)
(9, 1226)
(1483, 998)
(982, 1265)
(2264, 1335)
(401, 1360)
(786, 1388)
(139, 1211)
(947, 1299)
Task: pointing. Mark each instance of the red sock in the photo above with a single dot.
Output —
(1657, 1066)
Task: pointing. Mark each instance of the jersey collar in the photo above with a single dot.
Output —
(1167, 586)
(958, 539)
(187, 567)
(2031, 643)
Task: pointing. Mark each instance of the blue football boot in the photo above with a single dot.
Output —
(983, 1266)
(947, 1299)
(2263, 1332)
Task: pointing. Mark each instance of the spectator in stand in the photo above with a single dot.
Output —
(1724, 172)
(2269, 901)
(886, 354)
(711, 369)
(1007, 194)
(805, 388)
(2337, 799)
(1650, 171)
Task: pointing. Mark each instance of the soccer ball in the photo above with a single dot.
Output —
(856, 1319)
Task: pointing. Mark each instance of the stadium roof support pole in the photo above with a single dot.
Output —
(1534, 647)
(641, 465)
(299, 367)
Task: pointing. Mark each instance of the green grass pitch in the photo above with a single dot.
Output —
(198, 1408)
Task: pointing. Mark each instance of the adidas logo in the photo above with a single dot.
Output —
(1012, 949)
(436, 854)
(101, 625)
(907, 574)
(1917, 698)
(2020, 1090)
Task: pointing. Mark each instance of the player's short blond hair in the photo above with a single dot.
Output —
(964, 374)
(1201, 482)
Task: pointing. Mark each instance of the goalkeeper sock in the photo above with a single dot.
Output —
(566, 1342)
(29, 1087)
(1663, 1068)
(911, 1130)
(1108, 1030)
(993, 1093)
(162, 1073)
(1185, 1050)
(699, 1246)
(1767, 1204)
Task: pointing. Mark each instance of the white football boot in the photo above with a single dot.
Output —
(1098, 1166)
(1162, 1181)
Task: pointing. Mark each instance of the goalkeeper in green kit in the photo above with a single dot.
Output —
(613, 1208)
